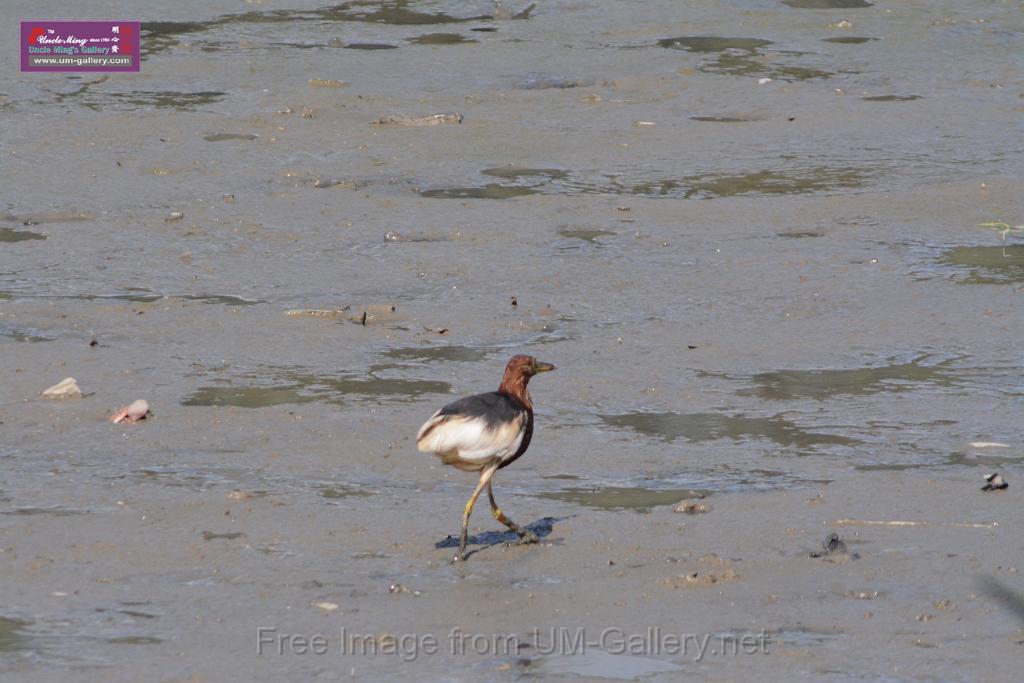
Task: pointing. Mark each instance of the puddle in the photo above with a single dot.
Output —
(848, 40)
(621, 497)
(733, 64)
(194, 478)
(711, 426)
(1002, 265)
(489, 191)
(891, 98)
(55, 510)
(220, 137)
(430, 354)
(822, 384)
(296, 387)
(713, 44)
(339, 491)
(441, 39)
(221, 299)
(134, 640)
(23, 334)
(545, 81)
(800, 234)
(144, 296)
(395, 13)
(227, 536)
(161, 99)
(787, 385)
(159, 36)
(592, 663)
(515, 173)
(809, 180)
(743, 57)
(247, 397)
(591, 236)
(827, 4)
(40, 217)
(12, 235)
(975, 459)
(722, 119)
(370, 46)
(801, 637)
(529, 179)
(760, 183)
(137, 615)
(167, 99)
(12, 636)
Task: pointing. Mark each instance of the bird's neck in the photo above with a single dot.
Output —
(514, 385)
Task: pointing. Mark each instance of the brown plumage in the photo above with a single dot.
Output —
(484, 433)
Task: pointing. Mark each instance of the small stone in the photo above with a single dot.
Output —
(67, 388)
(325, 606)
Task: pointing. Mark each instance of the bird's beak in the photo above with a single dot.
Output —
(543, 367)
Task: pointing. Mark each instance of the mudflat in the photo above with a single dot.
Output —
(757, 238)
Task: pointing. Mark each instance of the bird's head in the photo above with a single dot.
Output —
(527, 366)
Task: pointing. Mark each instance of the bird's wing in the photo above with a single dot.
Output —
(469, 438)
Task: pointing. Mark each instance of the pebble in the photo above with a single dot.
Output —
(67, 388)
(325, 606)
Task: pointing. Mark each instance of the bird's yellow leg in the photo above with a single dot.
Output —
(485, 480)
(525, 535)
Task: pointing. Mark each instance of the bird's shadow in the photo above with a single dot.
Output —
(488, 539)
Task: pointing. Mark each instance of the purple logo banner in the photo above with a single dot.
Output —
(79, 45)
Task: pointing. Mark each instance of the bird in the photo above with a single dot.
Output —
(484, 433)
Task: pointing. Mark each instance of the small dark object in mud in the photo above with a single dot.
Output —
(835, 549)
(515, 302)
(995, 482)
(834, 545)
(94, 343)
(209, 535)
(691, 347)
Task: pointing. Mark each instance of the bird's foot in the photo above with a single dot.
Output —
(527, 537)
